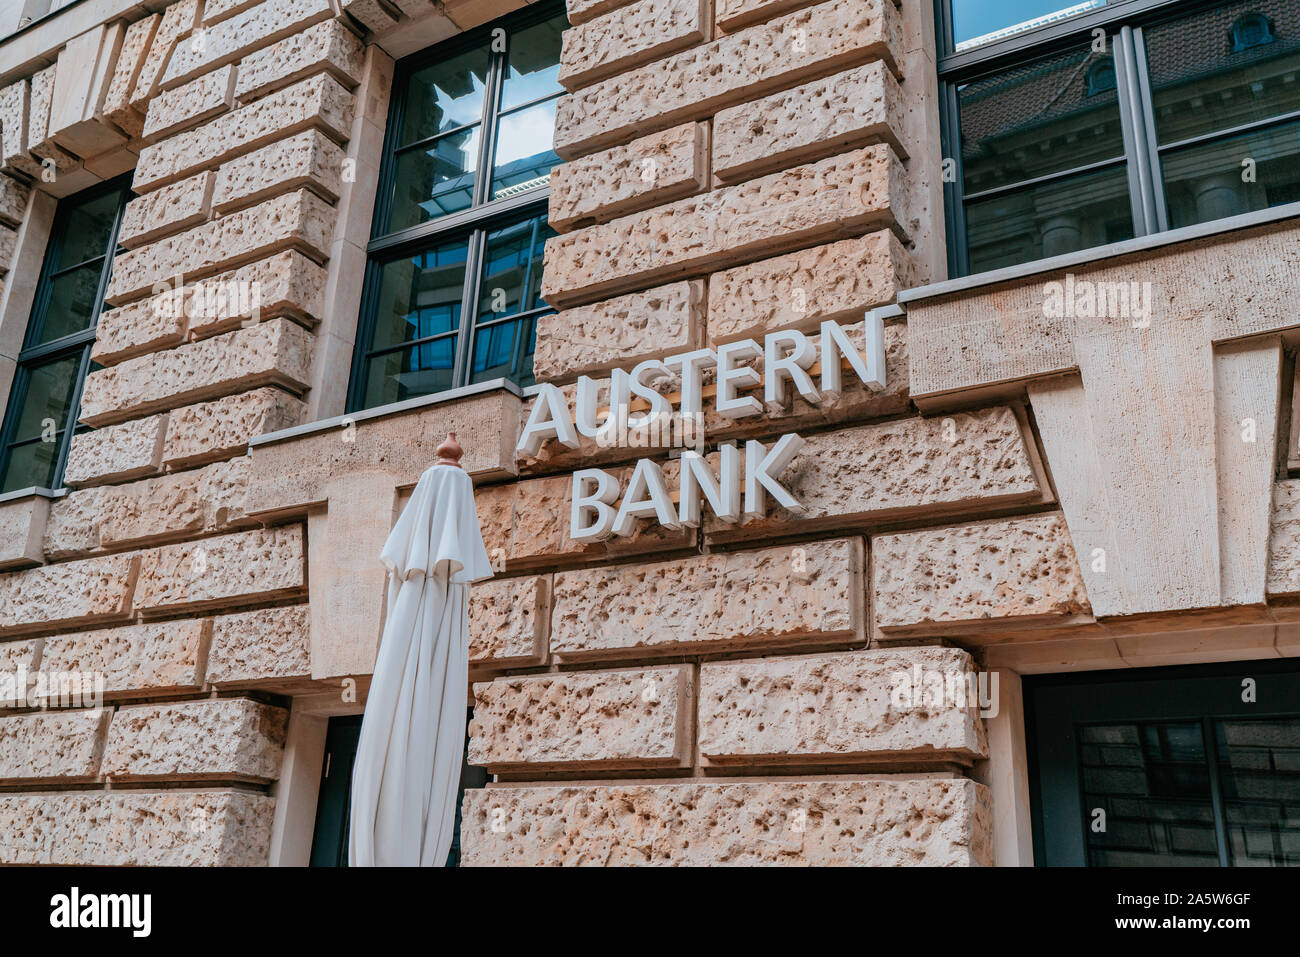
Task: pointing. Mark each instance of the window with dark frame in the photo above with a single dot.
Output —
(46, 393)
(1069, 126)
(453, 283)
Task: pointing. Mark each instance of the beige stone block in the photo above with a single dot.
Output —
(137, 659)
(605, 720)
(509, 621)
(271, 353)
(172, 828)
(177, 22)
(375, 15)
(221, 738)
(748, 65)
(308, 160)
(84, 72)
(328, 46)
(262, 648)
(984, 573)
(8, 244)
(580, 11)
(130, 62)
(286, 284)
(23, 654)
(775, 597)
(189, 105)
(72, 528)
(1284, 542)
(215, 11)
(879, 822)
(96, 589)
(15, 108)
(627, 37)
(168, 507)
(870, 707)
(116, 452)
(832, 199)
(733, 15)
(619, 332)
(55, 746)
(649, 171)
(145, 325)
(264, 564)
(214, 430)
(39, 143)
(173, 208)
(22, 528)
(13, 201)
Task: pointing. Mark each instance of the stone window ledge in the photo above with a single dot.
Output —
(22, 526)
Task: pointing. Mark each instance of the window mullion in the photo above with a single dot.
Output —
(469, 305)
(1132, 128)
(1149, 141)
(1216, 789)
(488, 134)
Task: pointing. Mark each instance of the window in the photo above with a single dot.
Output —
(453, 283)
(55, 357)
(1072, 127)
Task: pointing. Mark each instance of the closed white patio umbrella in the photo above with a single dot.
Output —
(407, 768)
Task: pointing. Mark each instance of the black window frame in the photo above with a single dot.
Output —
(472, 225)
(73, 344)
(1124, 22)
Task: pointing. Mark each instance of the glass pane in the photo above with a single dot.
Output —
(31, 465)
(409, 372)
(1209, 181)
(71, 308)
(1075, 212)
(981, 21)
(524, 156)
(512, 269)
(1152, 780)
(87, 231)
(1259, 773)
(534, 63)
(1223, 67)
(1049, 116)
(434, 180)
(504, 350)
(445, 95)
(420, 295)
(46, 398)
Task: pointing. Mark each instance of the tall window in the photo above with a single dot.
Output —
(55, 357)
(1076, 125)
(453, 286)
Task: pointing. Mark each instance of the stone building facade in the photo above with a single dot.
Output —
(1022, 494)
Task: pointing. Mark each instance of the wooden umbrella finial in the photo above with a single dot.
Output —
(449, 452)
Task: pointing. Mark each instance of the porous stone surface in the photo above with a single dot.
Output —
(619, 332)
(171, 209)
(96, 589)
(699, 82)
(15, 655)
(216, 738)
(872, 823)
(214, 430)
(275, 352)
(172, 828)
(623, 38)
(56, 745)
(215, 11)
(721, 601)
(801, 290)
(259, 565)
(286, 284)
(826, 116)
(124, 451)
(72, 526)
(616, 719)
(1284, 541)
(509, 621)
(328, 46)
(171, 506)
(130, 61)
(149, 658)
(580, 11)
(261, 647)
(654, 169)
(145, 325)
(306, 160)
(189, 105)
(14, 106)
(22, 526)
(856, 706)
(1024, 567)
(731, 15)
(177, 22)
(834, 198)
(13, 200)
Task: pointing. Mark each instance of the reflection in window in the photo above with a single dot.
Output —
(977, 22)
(1251, 30)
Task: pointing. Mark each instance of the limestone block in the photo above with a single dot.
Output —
(177, 22)
(817, 119)
(172, 828)
(286, 284)
(173, 208)
(215, 11)
(15, 106)
(732, 15)
(168, 507)
(116, 452)
(189, 105)
(136, 659)
(299, 220)
(748, 65)
(606, 720)
(214, 430)
(54, 746)
(873, 823)
(8, 244)
(259, 565)
(262, 648)
(39, 143)
(649, 171)
(146, 325)
(328, 46)
(96, 589)
(509, 621)
(84, 71)
(801, 290)
(375, 15)
(318, 102)
(620, 332)
(271, 353)
(859, 706)
(308, 160)
(225, 738)
(832, 199)
(130, 62)
(987, 572)
(72, 528)
(13, 201)
(644, 31)
(22, 528)
(16, 655)
(580, 11)
(1284, 542)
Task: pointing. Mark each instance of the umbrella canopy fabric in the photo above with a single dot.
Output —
(407, 768)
